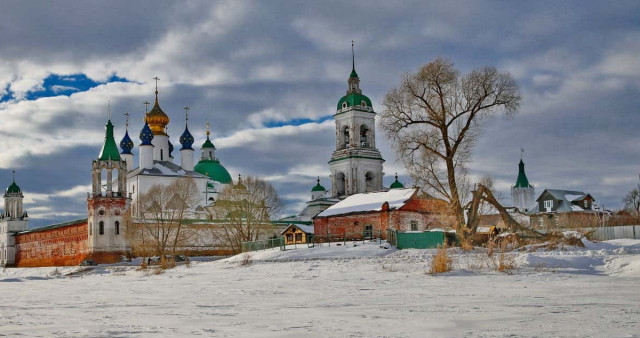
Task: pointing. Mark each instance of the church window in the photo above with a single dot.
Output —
(368, 178)
(161, 155)
(344, 105)
(340, 184)
(414, 225)
(117, 228)
(346, 137)
(363, 103)
(364, 131)
(101, 228)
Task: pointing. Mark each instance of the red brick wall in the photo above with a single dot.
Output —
(55, 247)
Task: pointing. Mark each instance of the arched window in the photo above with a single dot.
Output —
(344, 105)
(117, 228)
(368, 178)
(363, 103)
(161, 155)
(101, 228)
(345, 137)
(90, 232)
(364, 132)
(340, 184)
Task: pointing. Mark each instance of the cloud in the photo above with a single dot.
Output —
(267, 75)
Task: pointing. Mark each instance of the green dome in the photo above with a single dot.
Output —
(354, 99)
(208, 144)
(396, 184)
(214, 170)
(13, 189)
(318, 187)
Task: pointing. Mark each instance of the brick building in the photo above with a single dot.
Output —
(372, 214)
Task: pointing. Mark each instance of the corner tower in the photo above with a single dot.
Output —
(356, 164)
(523, 193)
(13, 220)
(108, 203)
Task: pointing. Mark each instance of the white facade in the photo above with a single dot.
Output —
(12, 221)
(523, 198)
(356, 164)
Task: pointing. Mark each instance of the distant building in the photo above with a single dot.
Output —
(297, 234)
(556, 208)
(372, 214)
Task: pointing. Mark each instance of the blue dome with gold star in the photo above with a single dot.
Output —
(146, 135)
(170, 148)
(186, 139)
(126, 144)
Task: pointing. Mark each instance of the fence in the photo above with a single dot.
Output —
(263, 244)
(415, 240)
(615, 232)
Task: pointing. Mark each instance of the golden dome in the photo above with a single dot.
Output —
(157, 119)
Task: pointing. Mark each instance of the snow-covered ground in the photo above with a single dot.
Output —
(363, 291)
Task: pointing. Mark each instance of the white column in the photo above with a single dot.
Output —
(146, 156)
(129, 159)
(160, 148)
(186, 159)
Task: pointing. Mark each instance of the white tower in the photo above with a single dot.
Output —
(186, 140)
(356, 164)
(107, 203)
(523, 194)
(13, 220)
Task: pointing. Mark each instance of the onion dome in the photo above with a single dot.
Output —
(214, 170)
(126, 144)
(318, 187)
(240, 185)
(187, 139)
(146, 135)
(109, 150)
(13, 188)
(354, 100)
(157, 119)
(170, 148)
(396, 184)
(207, 143)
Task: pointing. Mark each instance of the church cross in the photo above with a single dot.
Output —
(186, 113)
(146, 106)
(126, 116)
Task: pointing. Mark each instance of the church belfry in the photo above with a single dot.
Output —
(108, 202)
(523, 193)
(356, 164)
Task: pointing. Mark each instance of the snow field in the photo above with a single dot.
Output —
(337, 291)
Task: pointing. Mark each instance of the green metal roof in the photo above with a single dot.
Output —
(353, 73)
(396, 184)
(13, 188)
(214, 170)
(354, 99)
(522, 181)
(109, 150)
(318, 187)
(208, 144)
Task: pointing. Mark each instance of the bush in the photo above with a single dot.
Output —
(246, 260)
(441, 261)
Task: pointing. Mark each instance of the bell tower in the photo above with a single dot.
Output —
(13, 220)
(523, 193)
(108, 202)
(356, 164)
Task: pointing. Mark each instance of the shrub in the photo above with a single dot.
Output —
(441, 261)
(246, 260)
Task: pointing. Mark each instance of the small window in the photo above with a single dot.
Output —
(298, 237)
(101, 228)
(161, 155)
(117, 228)
(548, 204)
(90, 232)
(344, 105)
(100, 212)
(133, 189)
(414, 225)
(586, 203)
(363, 103)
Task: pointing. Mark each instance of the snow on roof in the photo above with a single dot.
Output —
(572, 197)
(305, 228)
(372, 201)
(164, 168)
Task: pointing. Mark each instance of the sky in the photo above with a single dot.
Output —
(267, 75)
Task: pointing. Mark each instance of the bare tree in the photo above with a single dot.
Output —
(159, 225)
(632, 202)
(243, 211)
(433, 118)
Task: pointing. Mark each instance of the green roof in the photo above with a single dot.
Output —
(396, 184)
(13, 188)
(354, 99)
(208, 144)
(109, 150)
(318, 187)
(214, 170)
(353, 73)
(522, 181)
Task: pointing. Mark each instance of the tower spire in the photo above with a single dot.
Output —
(353, 58)
(126, 121)
(157, 79)
(186, 114)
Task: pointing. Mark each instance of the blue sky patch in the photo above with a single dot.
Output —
(55, 85)
(295, 122)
